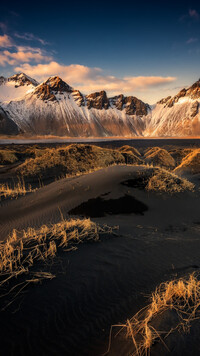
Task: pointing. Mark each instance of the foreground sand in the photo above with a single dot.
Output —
(102, 283)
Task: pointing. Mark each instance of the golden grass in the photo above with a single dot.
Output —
(71, 160)
(23, 248)
(7, 157)
(159, 157)
(163, 181)
(76, 159)
(179, 153)
(181, 296)
(190, 163)
(14, 191)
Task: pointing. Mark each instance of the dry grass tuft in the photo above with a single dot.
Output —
(26, 249)
(23, 248)
(7, 157)
(163, 181)
(181, 296)
(15, 191)
(190, 164)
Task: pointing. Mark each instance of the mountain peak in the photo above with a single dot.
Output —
(22, 79)
(195, 86)
(44, 92)
(57, 84)
(53, 107)
(193, 92)
(131, 104)
(98, 100)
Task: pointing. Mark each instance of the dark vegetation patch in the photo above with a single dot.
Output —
(99, 207)
(139, 182)
(7, 157)
(141, 179)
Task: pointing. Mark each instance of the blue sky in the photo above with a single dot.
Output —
(147, 49)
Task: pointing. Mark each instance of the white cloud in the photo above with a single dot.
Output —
(22, 56)
(30, 37)
(85, 78)
(6, 41)
(93, 79)
(13, 54)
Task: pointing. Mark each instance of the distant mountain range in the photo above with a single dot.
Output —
(55, 108)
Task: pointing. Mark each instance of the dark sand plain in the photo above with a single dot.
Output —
(157, 238)
(112, 143)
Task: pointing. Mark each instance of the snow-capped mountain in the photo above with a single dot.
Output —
(176, 116)
(13, 88)
(55, 108)
(16, 86)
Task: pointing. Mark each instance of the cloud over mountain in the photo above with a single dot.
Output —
(93, 79)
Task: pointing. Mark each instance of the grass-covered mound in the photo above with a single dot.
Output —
(72, 160)
(127, 149)
(159, 180)
(162, 181)
(131, 155)
(7, 157)
(159, 157)
(190, 164)
(179, 153)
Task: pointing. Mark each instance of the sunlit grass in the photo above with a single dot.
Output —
(7, 157)
(190, 164)
(163, 181)
(73, 159)
(15, 190)
(23, 248)
(26, 251)
(181, 296)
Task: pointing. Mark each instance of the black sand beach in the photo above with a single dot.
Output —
(156, 238)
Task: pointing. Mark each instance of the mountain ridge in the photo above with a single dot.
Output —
(55, 108)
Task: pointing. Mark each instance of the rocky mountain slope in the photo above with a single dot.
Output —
(55, 108)
(176, 116)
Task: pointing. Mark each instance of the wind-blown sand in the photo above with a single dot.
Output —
(101, 283)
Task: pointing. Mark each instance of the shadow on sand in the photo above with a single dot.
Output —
(99, 207)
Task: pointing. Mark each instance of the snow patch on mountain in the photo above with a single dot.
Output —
(16, 87)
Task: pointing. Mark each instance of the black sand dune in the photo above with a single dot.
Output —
(96, 286)
(46, 204)
(102, 283)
